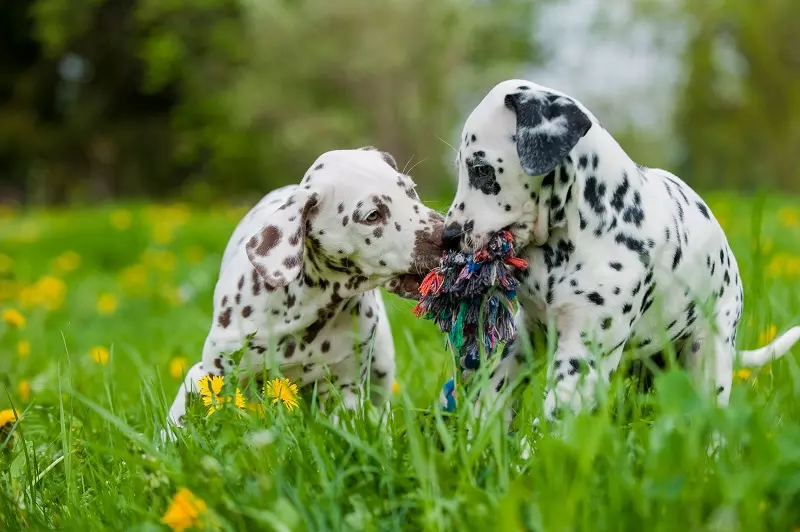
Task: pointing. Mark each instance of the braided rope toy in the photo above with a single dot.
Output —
(472, 298)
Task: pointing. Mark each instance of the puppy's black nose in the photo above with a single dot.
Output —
(451, 239)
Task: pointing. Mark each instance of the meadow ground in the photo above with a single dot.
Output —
(104, 308)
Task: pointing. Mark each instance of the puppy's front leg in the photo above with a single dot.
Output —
(575, 372)
(571, 379)
(178, 409)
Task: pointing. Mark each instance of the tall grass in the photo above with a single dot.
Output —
(87, 453)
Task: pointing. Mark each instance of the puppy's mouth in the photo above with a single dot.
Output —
(405, 285)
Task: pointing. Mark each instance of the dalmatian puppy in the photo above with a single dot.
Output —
(621, 255)
(298, 284)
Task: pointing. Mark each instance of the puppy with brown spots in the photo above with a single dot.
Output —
(298, 284)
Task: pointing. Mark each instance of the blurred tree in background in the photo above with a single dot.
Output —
(737, 113)
(227, 98)
(221, 98)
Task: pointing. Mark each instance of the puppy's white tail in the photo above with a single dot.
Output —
(772, 351)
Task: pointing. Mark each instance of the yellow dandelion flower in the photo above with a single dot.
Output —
(67, 262)
(14, 318)
(134, 276)
(184, 511)
(171, 294)
(8, 290)
(281, 390)
(395, 387)
(210, 390)
(767, 335)
(162, 233)
(789, 217)
(121, 219)
(24, 390)
(6, 263)
(7, 417)
(107, 304)
(99, 355)
(177, 367)
(161, 260)
(240, 401)
(742, 374)
(256, 408)
(48, 292)
(24, 348)
(195, 254)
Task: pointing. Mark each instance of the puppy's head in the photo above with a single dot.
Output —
(516, 136)
(353, 217)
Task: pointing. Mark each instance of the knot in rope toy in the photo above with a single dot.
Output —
(472, 298)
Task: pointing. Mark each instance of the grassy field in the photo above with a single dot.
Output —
(104, 308)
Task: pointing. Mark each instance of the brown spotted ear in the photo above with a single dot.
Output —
(277, 250)
(386, 156)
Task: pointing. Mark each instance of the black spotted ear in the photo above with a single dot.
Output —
(386, 156)
(278, 249)
(548, 127)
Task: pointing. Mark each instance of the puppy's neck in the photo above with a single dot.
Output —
(594, 189)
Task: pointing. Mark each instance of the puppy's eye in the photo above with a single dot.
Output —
(372, 217)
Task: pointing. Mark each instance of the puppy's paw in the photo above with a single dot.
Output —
(574, 392)
(168, 435)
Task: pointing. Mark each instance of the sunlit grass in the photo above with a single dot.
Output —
(103, 310)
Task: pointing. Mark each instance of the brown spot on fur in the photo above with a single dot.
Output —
(246, 311)
(270, 237)
(369, 312)
(240, 284)
(291, 262)
(397, 226)
(224, 318)
(290, 300)
(326, 346)
(295, 238)
(428, 245)
(340, 208)
(378, 232)
(257, 280)
(224, 300)
(344, 221)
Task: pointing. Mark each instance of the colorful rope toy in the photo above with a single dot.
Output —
(472, 298)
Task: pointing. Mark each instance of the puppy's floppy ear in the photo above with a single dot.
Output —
(548, 127)
(277, 250)
(386, 156)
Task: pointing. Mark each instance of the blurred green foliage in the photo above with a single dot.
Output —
(737, 112)
(218, 98)
(212, 99)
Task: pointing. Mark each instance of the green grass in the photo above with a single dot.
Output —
(86, 455)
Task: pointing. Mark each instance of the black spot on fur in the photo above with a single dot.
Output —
(596, 298)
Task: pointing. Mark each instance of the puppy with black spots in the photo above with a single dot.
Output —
(621, 256)
(298, 284)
